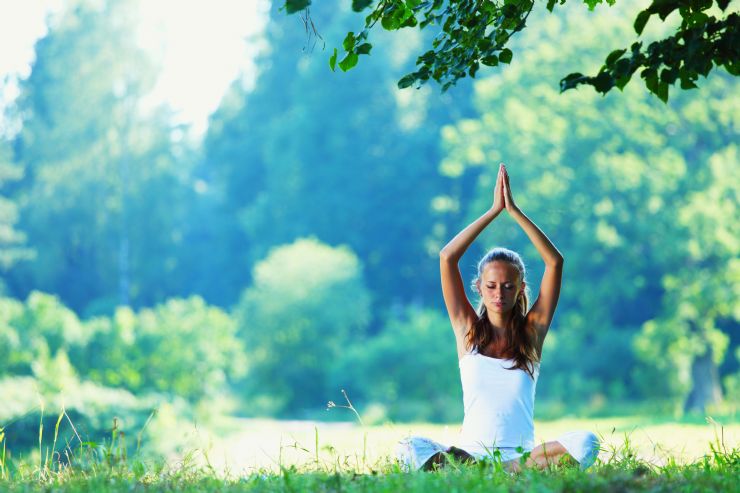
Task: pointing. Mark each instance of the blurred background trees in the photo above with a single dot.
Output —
(292, 252)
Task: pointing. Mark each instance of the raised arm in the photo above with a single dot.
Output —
(462, 314)
(543, 309)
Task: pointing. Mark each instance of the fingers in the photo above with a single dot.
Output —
(508, 199)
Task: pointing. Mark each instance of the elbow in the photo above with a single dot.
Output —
(557, 261)
(446, 256)
(554, 260)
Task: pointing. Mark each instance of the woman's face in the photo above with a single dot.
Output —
(499, 286)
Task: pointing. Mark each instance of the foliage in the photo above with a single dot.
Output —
(35, 331)
(182, 347)
(97, 162)
(477, 32)
(406, 372)
(364, 176)
(12, 241)
(701, 43)
(123, 367)
(703, 292)
(307, 303)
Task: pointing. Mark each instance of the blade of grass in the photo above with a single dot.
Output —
(41, 436)
(56, 435)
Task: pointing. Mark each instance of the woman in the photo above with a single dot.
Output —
(499, 349)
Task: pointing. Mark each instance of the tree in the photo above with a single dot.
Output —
(12, 242)
(307, 303)
(702, 292)
(473, 33)
(103, 196)
(348, 162)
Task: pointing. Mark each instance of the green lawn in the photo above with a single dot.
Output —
(640, 454)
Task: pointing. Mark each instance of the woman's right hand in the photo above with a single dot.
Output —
(498, 191)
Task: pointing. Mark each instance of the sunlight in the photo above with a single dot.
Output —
(203, 47)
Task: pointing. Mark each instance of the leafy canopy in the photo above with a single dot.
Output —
(476, 32)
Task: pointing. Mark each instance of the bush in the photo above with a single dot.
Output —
(409, 370)
(182, 347)
(307, 302)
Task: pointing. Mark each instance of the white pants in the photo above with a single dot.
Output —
(413, 452)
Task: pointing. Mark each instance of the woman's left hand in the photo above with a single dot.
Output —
(509, 204)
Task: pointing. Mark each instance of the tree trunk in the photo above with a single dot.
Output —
(705, 387)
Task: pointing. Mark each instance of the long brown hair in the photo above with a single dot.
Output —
(519, 337)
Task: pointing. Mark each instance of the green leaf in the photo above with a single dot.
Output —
(349, 41)
(664, 7)
(359, 5)
(390, 23)
(333, 60)
(622, 81)
(687, 83)
(641, 20)
(614, 56)
(406, 81)
(570, 81)
(364, 49)
(293, 6)
(349, 61)
(697, 18)
(602, 82)
(490, 60)
(428, 57)
(505, 56)
(662, 92)
(473, 69)
(622, 68)
(669, 76)
(654, 85)
(732, 67)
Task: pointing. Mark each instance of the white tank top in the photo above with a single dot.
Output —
(499, 404)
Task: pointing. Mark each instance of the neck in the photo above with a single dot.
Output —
(499, 321)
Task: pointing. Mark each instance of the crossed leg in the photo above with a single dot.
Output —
(543, 456)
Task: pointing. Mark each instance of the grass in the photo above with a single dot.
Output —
(266, 455)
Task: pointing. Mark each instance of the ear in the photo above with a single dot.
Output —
(477, 286)
(522, 288)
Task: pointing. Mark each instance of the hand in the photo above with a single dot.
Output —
(508, 199)
(498, 191)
